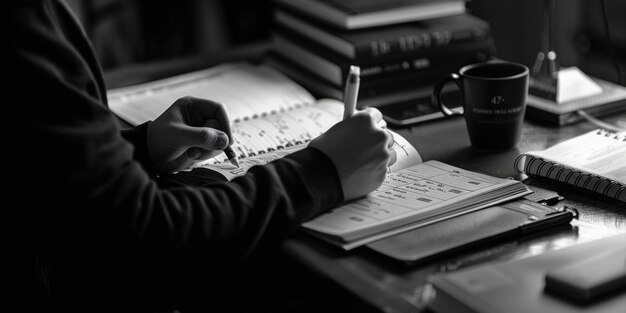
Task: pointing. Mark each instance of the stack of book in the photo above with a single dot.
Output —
(402, 46)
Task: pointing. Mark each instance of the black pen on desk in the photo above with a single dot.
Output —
(351, 91)
(232, 156)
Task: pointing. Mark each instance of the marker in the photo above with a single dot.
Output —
(351, 92)
(232, 156)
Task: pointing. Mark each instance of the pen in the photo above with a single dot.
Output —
(352, 91)
(232, 156)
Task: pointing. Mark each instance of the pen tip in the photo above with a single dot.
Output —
(355, 70)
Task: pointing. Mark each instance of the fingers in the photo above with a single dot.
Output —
(392, 153)
(212, 124)
(393, 157)
(378, 120)
(203, 137)
(215, 132)
(197, 154)
(382, 124)
(377, 117)
(203, 142)
(211, 114)
(390, 140)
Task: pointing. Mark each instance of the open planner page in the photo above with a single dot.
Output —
(247, 90)
(262, 140)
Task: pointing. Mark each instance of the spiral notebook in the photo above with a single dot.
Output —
(595, 161)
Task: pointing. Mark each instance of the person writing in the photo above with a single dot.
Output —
(99, 227)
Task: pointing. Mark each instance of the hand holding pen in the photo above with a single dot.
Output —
(189, 131)
(358, 146)
(351, 94)
(231, 155)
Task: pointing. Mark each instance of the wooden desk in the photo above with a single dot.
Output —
(370, 281)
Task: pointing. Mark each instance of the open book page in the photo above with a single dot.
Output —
(597, 152)
(262, 140)
(247, 90)
(410, 198)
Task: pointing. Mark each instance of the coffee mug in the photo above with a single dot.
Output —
(493, 102)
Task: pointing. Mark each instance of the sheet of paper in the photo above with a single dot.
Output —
(247, 91)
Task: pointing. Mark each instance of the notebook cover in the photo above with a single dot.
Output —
(465, 231)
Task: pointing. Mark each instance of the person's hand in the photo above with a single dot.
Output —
(360, 149)
(189, 131)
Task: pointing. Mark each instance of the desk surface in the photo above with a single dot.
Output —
(385, 286)
(379, 284)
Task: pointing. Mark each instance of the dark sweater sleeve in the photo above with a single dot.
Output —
(137, 136)
(100, 194)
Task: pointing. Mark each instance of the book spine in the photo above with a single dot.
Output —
(432, 41)
(404, 86)
(334, 68)
(427, 64)
(477, 51)
(380, 44)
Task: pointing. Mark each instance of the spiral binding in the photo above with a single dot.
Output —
(536, 167)
(616, 135)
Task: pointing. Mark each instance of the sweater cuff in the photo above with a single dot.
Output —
(138, 136)
(321, 176)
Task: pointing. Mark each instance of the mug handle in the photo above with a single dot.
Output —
(436, 97)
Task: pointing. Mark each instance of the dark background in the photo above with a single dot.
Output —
(132, 31)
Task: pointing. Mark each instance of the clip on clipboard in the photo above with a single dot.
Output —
(516, 218)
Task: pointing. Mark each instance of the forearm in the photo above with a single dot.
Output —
(225, 219)
(261, 207)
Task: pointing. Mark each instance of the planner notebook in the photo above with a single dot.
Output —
(594, 161)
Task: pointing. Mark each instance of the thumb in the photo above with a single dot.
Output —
(203, 137)
(199, 143)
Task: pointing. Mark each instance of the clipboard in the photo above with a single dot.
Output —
(511, 219)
